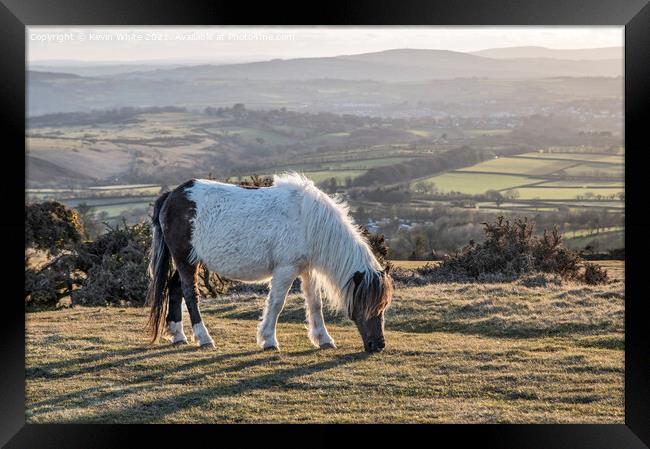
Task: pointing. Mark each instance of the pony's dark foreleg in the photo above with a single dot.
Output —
(174, 311)
(200, 334)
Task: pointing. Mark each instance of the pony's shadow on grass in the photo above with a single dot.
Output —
(156, 410)
(495, 326)
(98, 356)
(88, 396)
(56, 370)
(291, 313)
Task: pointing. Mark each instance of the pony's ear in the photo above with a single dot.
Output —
(358, 277)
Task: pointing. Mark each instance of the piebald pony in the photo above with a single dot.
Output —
(291, 229)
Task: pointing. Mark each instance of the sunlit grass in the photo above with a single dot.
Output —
(475, 353)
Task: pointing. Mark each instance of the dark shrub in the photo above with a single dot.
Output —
(378, 245)
(110, 269)
(51, 226)
(212, 284)
(48, 284)
(595, 274)
(257, 181)
(511, 250)
(116, 266)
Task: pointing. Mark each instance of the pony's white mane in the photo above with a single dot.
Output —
(334, 242)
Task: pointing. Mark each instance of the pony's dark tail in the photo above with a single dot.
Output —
(159, 272)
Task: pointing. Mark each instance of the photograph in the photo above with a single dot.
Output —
(364, 224)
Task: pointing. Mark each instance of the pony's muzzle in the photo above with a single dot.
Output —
(375, 346)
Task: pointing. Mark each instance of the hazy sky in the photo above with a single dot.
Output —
(253, 43)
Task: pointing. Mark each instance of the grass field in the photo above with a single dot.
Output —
(609, 158)
(339, 169)
(456, 353)
(520, 166)
(529, 193)
(604, 240)
(582, 184)
(535, 177)
(477, 183)
(590, 168)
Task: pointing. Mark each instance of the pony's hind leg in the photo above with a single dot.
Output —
(200, 334)
(175, 312)
(280, 284)
(314, 310)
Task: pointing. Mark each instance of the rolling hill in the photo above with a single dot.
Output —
(397, 65)
(367, 84)
(580, 54)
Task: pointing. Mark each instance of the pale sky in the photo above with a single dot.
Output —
(200, 43)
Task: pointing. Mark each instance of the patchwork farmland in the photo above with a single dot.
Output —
(113, 165)
(534, 182)
(541, 178)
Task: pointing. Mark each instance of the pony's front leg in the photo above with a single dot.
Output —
(314, 310)
(280, 284)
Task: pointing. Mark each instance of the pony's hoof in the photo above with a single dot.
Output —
(328, 346)
(271, 348)
(180, 343)
(207, 346)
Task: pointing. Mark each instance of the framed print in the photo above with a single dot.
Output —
(382, 214)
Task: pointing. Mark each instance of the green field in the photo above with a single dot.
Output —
(519, 166)
(590, 232)
(608, 204)
(339, 175)
(582, 184)
(456, 353)
(477, 183)
(530, 193)
(534, 177)
(420, 132)
(603, 240)
(114, 210)
(253, 134)
(591, 157)
(363, 164)
(113, 200)
(486, 132)
(343, 164)
(595, 168)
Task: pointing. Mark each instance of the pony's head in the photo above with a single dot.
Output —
(372, 293)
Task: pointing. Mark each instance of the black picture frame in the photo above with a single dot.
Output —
(15, 15)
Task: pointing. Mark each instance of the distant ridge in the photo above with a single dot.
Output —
(395, 65)
(358, 83)
(578, 54)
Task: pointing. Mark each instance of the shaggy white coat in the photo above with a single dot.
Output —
(281, 232)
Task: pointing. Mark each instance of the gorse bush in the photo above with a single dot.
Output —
(52, 227)
(377, 244)
(110, 269)
(56, 279)
(595, 274)
(115, 265)
(511, 249)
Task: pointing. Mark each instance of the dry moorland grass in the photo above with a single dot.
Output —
(457, 353)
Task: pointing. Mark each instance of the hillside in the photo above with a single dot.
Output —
(398, 65)
(165, 145)
(369, 83)
(593, 54)
(456, 353)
